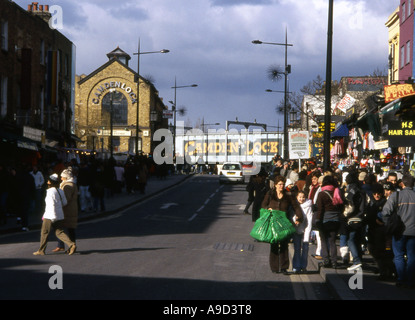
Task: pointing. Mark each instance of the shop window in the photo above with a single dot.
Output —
(119, 109)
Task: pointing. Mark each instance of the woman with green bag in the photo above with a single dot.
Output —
(278, 198)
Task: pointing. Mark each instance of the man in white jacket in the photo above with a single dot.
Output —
(53, 217)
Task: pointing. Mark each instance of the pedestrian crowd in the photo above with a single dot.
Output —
(362, 209)
(56, 192)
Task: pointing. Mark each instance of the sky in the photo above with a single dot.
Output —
(210, 43)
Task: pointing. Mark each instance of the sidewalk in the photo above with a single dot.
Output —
(117, 202)
(366, 287)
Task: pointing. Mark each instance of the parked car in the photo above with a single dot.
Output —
(231, 172)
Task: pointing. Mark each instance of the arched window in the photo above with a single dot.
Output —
(119, 109)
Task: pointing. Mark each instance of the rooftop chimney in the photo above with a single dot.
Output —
(40, 10)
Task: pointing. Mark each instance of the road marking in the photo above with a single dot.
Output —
(192, 217)
(167, 205)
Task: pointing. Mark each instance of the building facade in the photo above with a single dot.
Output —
(36, 81)
(406, 39)
(107, 99)
(393, 34)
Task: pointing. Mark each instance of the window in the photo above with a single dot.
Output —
(408, 52)
(402, 57)
(403, 16)
(42, 52)
(409, 8)
(119, 107)
(4, 35)
(3, 96)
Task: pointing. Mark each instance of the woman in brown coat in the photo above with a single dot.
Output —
(279, 199)
(70, 211)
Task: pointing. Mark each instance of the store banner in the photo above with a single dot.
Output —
(401, 133)
(396, 91)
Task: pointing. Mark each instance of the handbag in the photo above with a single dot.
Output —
(395, 226)
(272, 226)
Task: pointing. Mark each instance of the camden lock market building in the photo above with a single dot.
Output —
(106, 107)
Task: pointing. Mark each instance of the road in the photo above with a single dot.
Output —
(189, 243)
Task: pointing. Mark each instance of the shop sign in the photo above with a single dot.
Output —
(396, 91)
(401, 133)
(322, 125)
(379, 145)
(107, 86)
(346, 103)
(298, 143)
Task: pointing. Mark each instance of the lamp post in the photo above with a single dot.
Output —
(174, 111)
(327, 108)
(207, 137)
(138, 53)
(287, 70)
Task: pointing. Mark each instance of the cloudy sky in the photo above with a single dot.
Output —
(210, 45)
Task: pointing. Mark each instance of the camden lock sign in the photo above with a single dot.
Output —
(401, 133)
(106, 86)
(259, 147)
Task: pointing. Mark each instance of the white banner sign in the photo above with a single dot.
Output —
(298, 145)
(346, 103)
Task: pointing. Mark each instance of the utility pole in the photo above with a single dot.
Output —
(327, 116)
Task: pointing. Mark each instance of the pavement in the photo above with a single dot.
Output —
(361, 284)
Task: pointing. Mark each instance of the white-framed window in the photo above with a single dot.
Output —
(3, 96)
(4, 41)
(408, 52)
(409, 8)
(403, 15)
(402, 57)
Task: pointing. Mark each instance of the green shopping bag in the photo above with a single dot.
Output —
(283, 228)
(262, 230)
(272, 226)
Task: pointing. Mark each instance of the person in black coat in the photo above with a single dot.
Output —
(376, 235)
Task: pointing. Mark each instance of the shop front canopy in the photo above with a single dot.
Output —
(342, 131)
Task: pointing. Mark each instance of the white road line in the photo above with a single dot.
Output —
(192, 217)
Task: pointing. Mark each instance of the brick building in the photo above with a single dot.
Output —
(36, 81)
(116, 80)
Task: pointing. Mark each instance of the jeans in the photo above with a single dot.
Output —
(406, 269)
(300, 257)
(355, 244)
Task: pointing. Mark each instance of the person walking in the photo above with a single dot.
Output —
(301, 237)
(39, 181)
(355, 210)
(70, 210)
(279, 199)
(329, 207)
(377, 236)
(403, 243)
(53, 216)
(260, 188)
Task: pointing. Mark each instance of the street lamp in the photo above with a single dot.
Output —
(138, 53)
(287, 70)
(207, 137)
(174, 112)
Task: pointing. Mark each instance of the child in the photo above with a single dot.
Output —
(301, 237)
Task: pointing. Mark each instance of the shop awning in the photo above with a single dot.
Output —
(342, 131)
(393, 106)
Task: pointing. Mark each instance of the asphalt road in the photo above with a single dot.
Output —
(189, 243)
